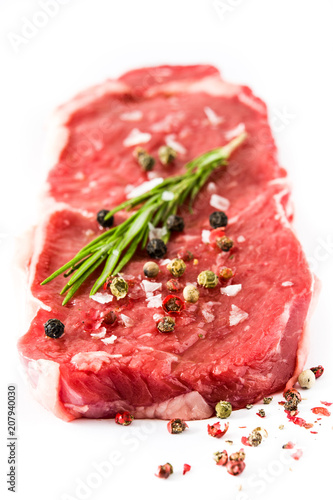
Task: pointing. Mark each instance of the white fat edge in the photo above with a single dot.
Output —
(212, 85)
(231, 290)
(132, 116)
(252, 103)
(91, 360)
(167, 195)
(109, 340)
(99, 335)
(219, 202)
(213, 118)
(237, 315)
(102, 298)
(287, 283)
(145, 187)
(128, 322)
(241, 239)
(155, 301)
(235, 132)
(170, 140)
(211, 187)
(281, 213)
(156, 232)
(136, 137)
(149, 286)
(205, 236)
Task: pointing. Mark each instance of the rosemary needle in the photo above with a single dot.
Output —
(117, 246)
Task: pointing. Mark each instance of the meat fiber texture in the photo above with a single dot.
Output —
(236, 343)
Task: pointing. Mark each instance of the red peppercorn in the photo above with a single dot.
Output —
(124, 418)
(215, 234)
(317, 370)
(187, 468)
(176, 426)
(216, 431)
(221, 457)
(173, 304)
(164, 471)
(185, 255)
(235, 467)
(173, 285)
(318, 410)
(291, 394)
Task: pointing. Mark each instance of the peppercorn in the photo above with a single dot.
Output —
(221, 457)
(175, 223)
(223, 409)
(186, 255)
(166, 325)
(124, 418)
(101, 218)
(176, 267)
(173, 285)
(226, 273)
(306, 379)
(191, 293)
(156, 248)
(235, 467)
(255, 438)
(119, 287)
(110, 318)
(166, 154)
(172, 304)
(164, 471)
(150, 269)
(215, 430)
(176, 426)
(224, 243)
(317, 370)
(146, 161)
(249, 406)
(54, 328)
(267, 400)
(238, 456)
(261, 413)
(218, 219)
(208, 279)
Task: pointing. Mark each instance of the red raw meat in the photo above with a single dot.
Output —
(237, 348)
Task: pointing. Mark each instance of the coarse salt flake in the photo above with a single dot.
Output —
(155, 301)
(231, 290)
(239, 129)
(102, 298)
(237, 315)
(128, 322)
(149, 286)
(144, 187)
(109, 340)
(205, 235)
(287, 283)
(136, 137)
(170, 140)
(100, 334)
(219, 202)
(240, 239)
(156, 232)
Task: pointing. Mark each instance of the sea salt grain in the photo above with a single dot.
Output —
(231, 290)
(219, 202)
(236, 315)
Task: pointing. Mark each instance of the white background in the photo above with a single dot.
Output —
(282, 49)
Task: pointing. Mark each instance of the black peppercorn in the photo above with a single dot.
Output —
(175, 223)
(101, 218)
(218, 219)
(54, 328)
(156, 248)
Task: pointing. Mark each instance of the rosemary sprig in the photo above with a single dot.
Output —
(117, 246)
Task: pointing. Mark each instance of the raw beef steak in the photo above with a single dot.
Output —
(237, 343)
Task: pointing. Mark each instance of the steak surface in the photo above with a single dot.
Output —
(235, 344)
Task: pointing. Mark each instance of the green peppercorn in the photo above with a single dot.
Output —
(119, 287)
(208, 279)
(146, 161)
(166, 324)
(166, 154)
(224, 243)
(223, 409)
(176, 267)
(150, 269)
(191, 293)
